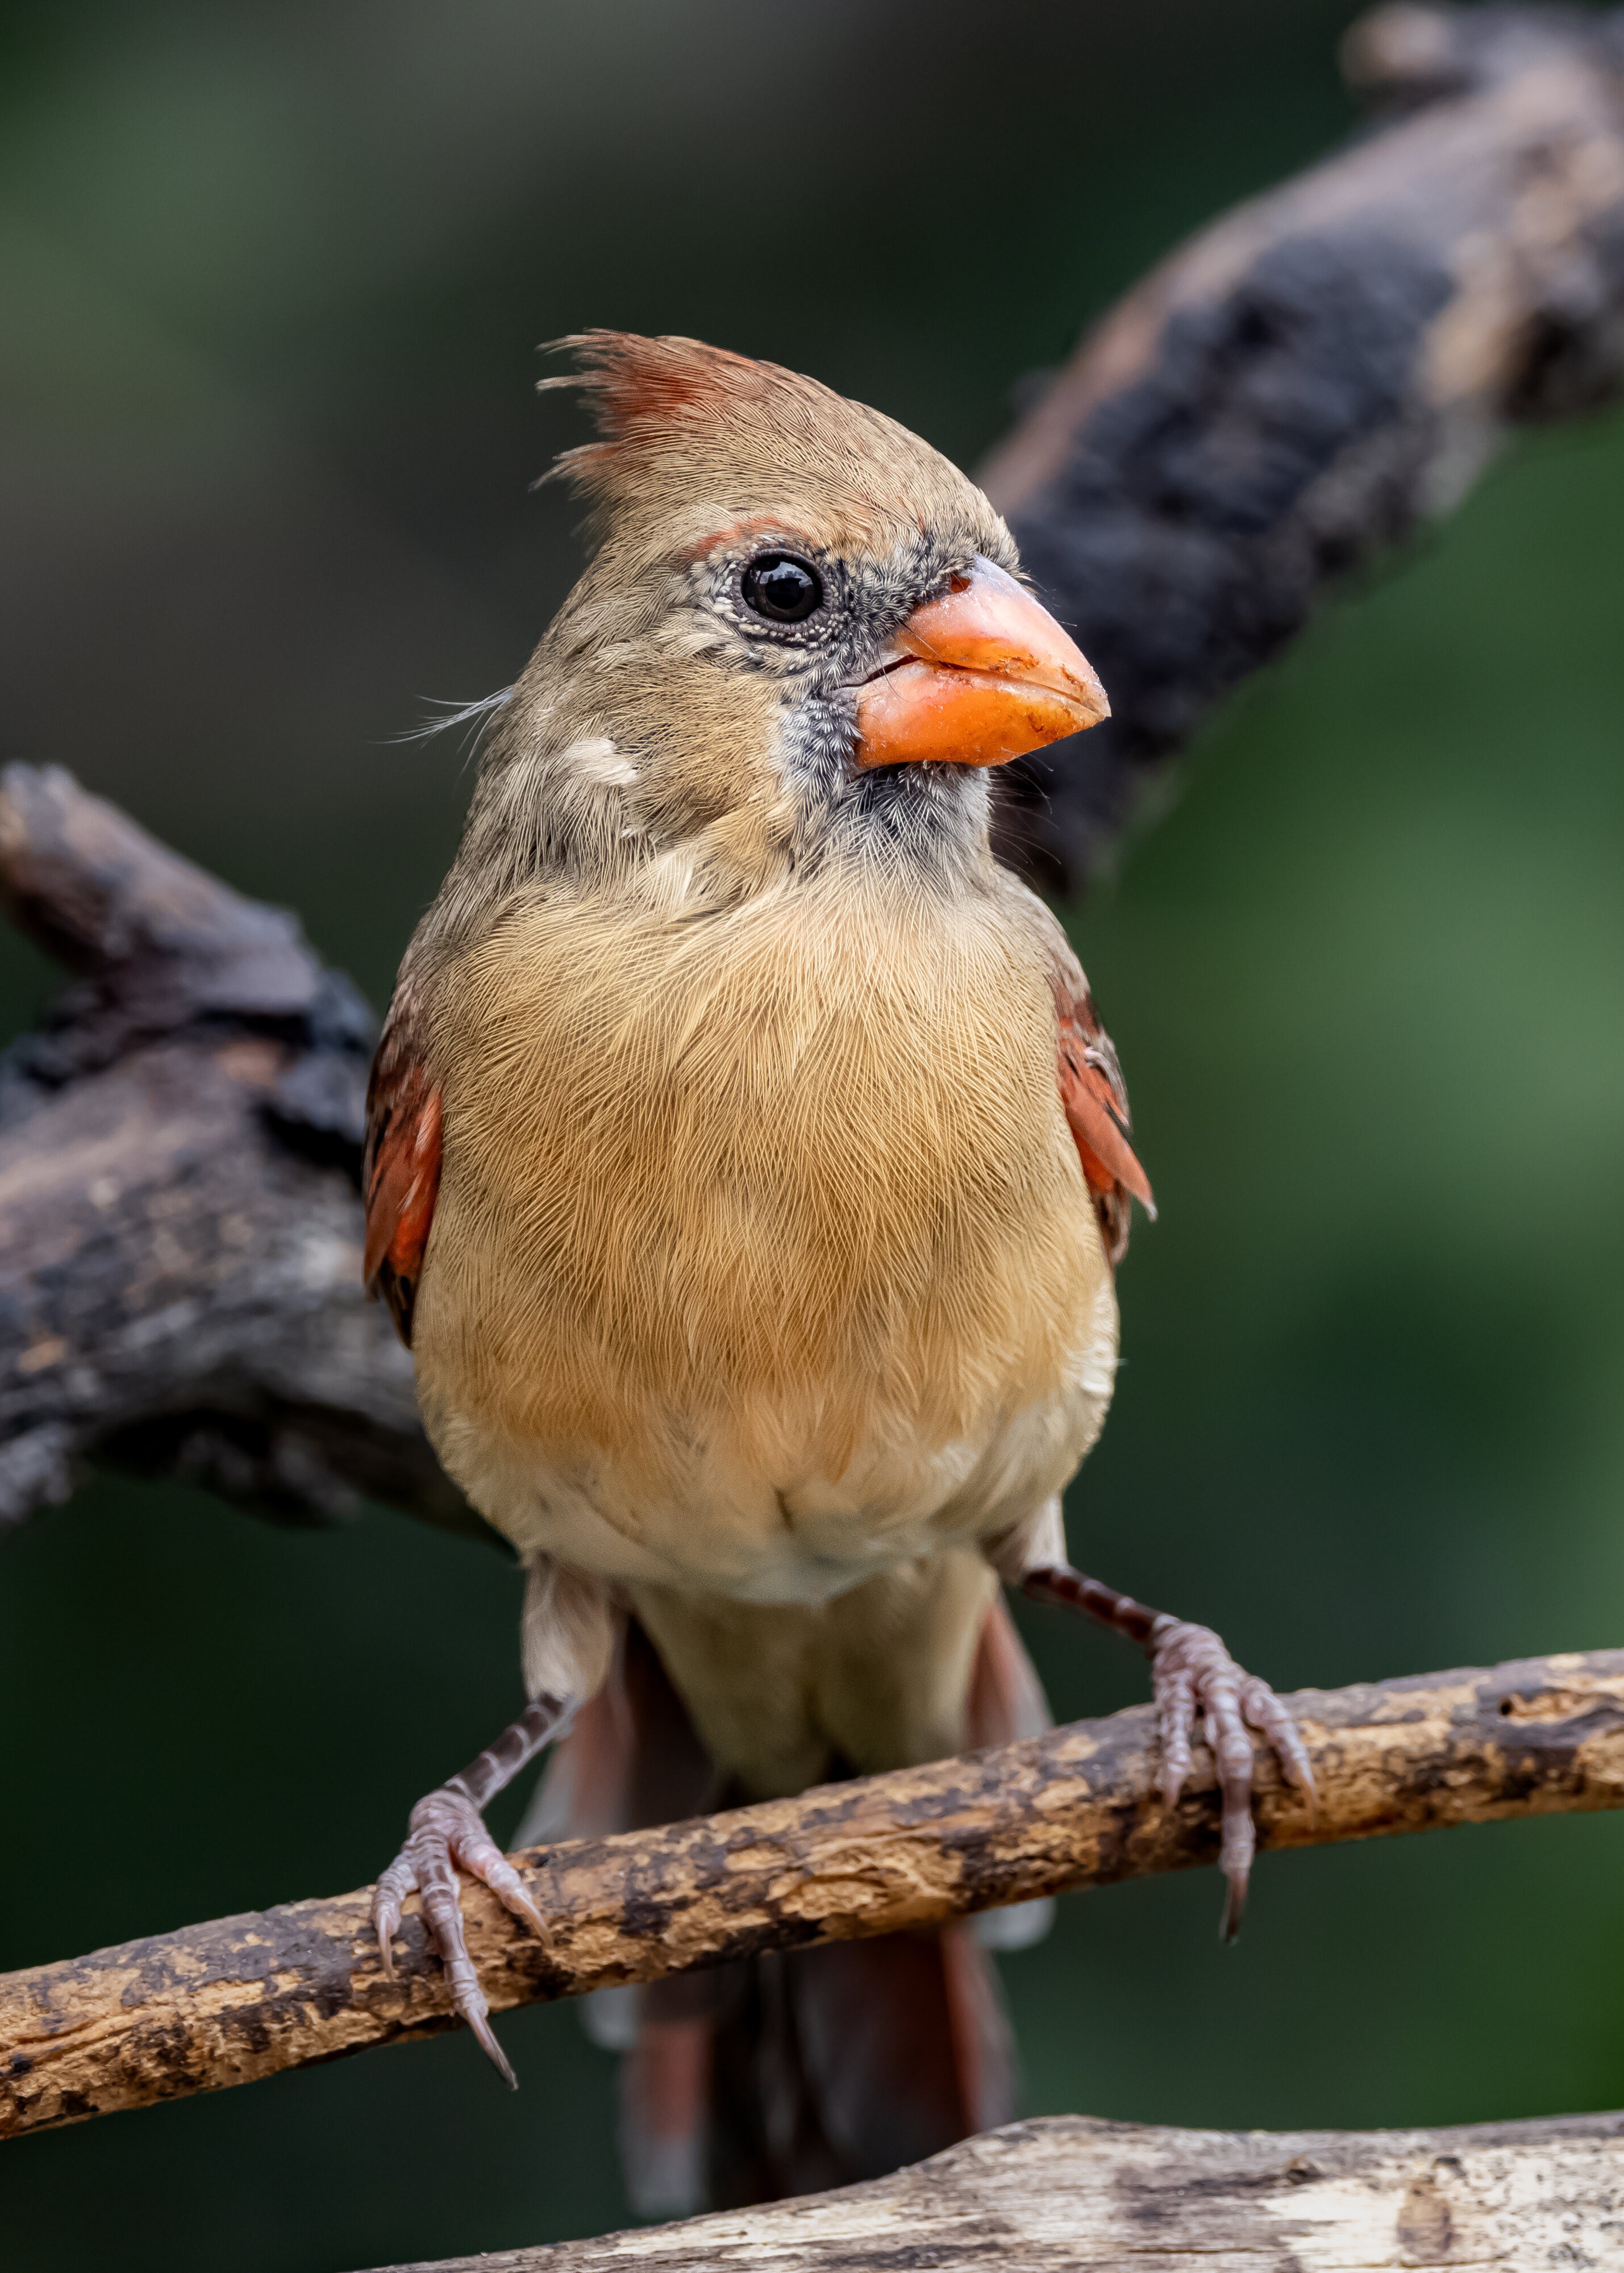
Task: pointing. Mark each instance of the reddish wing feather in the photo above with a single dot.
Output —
(401, 1175)
(1096, 1102)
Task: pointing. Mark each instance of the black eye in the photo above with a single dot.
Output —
(783, 587)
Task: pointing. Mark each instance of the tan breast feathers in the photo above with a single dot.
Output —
(800, 1166)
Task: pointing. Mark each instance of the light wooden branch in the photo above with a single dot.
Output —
(245, 1997)
(1069, 2195)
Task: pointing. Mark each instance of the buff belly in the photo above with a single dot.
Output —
(690, 1504)
(758, 1271)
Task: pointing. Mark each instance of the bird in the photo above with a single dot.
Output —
(747, 1170)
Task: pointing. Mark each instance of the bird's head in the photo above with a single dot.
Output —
(801, 635)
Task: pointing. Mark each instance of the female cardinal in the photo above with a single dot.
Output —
(747, 1170)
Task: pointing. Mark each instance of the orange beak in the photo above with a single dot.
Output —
(976, 678)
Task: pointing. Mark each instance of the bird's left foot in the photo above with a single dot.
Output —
(1193, 1672)
(447, 1834)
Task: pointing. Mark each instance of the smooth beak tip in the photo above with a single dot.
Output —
(979, 676)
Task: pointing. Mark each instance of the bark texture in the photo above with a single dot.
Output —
(1069, 2195)
(246, 1997)
(179, 1211)
(1305, 382)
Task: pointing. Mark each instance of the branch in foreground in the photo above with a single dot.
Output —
(1071, 2195)
(1306, 381)
(245, 1997)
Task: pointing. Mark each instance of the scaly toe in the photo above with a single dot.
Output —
(446, 1829)
(483, 1859)
(1193, 1671)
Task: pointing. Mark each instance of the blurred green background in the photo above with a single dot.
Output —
(271, 276)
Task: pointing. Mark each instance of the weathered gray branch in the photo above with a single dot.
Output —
(179, 1213)
(1304, 382)
(246, 1997)
(1069, 2195)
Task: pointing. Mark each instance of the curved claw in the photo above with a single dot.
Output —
(479, 1855)
(445, 1831)
(486, 2038)
(387, 1896)
(1193, 1671)
(1234, 1906)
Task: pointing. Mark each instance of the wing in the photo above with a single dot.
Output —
(400, 1176)
(1096, 1103)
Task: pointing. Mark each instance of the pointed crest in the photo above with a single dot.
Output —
(643, 391)
(631, 382)
(687, 430)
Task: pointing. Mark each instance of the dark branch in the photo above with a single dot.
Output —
(1299, 386)
(179, 1215)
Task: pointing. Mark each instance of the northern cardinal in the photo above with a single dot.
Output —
(747, 1170)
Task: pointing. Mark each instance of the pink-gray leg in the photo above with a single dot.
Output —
(1190, 1671)
(447, 1831)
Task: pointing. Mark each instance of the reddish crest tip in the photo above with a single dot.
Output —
(631, 382)
(680, 422)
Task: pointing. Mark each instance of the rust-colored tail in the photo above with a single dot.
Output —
(797, 2070)
(846, 2061)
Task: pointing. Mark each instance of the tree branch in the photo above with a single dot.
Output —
(246, 1997)
(180, 1225)
(1302, 383)
(180, 1212)
(1071, 2195)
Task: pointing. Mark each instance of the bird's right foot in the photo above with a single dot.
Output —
(446, 1833)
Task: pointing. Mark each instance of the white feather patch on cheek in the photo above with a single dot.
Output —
(595, 759)
(689, 639)
(667, 884)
